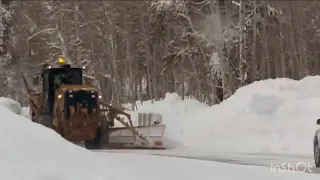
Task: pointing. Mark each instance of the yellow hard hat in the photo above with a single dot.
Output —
(61, 60)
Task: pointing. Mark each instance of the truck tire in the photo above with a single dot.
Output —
(47, 121)
(100, 141)
(316, 154)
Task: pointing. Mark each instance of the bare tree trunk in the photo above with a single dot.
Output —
(282, 60)
(77, 40)
(267, 60)
(149, 81)
(182, 78)
(294, 53)
(128, 64)
(140, 86)
(254, 46)
(154, 73)
(148, 60)
(111, 45)
(241, 41)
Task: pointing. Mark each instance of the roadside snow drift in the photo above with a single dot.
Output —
(32, 152)
(10, 104)
(273, 116)
(277, 116)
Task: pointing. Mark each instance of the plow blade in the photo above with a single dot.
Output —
(123, 138)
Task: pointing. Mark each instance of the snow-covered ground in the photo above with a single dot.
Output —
(11, 105)
(30, 151)
(270, 116)
(25, 112)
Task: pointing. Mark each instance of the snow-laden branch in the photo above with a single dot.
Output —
(53, 45)
(42, 31)
(236, 3)
(200, 3)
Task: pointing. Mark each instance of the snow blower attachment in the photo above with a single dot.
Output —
(129, 136)
(69, 104)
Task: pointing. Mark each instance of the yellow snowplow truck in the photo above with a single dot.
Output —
(70, 105)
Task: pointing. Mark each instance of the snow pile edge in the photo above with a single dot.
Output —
(269, 116)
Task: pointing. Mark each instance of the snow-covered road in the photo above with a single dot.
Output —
(298, 162)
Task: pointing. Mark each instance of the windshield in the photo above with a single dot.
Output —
(68, 76)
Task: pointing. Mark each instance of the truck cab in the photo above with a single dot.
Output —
(52, 79)
(69, 105)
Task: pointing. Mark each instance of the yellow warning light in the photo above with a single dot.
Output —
(61, 60)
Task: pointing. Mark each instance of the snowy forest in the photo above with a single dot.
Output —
(140, 50)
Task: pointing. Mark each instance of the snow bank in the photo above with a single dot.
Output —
(25, 112)
(36, 152)
(11, 104)
(174, 111)
(30, 151)
(277, 116)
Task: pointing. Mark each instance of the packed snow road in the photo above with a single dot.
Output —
(276, 162)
